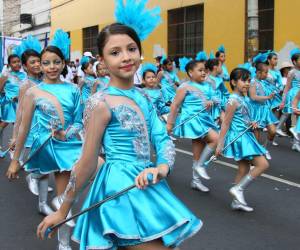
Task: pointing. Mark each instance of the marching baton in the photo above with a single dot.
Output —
(96, 205)
(213, 157)
(190, 118)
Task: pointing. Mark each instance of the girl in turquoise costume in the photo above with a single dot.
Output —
(89, 80)
(291, 89)
(274, 80)
(150, 81)
(57, 108)
(220, 55)
(102, 79)
(155, 218)
(259, 100)
(29, 51)
(245, 149)
(214, 68)
(296, 130)
(193, 97)
(9, 89)
(168, 79)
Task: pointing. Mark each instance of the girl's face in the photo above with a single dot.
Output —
(262, 75)
(121, 56)
(101, 70)
(150, 80)
(222, 57)
(273, 61)
(297, 63)
(89, 70)
(33, 65)
(15, 64)
(198, 73)
(242, 86)
(169, 66)
(52, 66)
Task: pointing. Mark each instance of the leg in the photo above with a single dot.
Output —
(282, 120)
(257, 134)
(155, 244)
(197, 147)
(3, 125)
(260, 165)
(43, 195)
(243, 169)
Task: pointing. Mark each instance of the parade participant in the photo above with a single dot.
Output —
(259, 101)
(124, 112)
(296, 130)
(201, 56)
(220, 55)
(246, 148)
(214, 68)
(291, 89)
(29, 52)
(193, 97)
(168, 79)
(9, 88)
(102, 79)
(149, 75)
(56, 106)
(88, 81)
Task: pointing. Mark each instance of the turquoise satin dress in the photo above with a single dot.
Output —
(158, 100)
(193, 103)
(87, 87)
(139, 215)
(9, 99)
(273, 84)
(104, 81)
(246, 147)
(294, 74)
(168, 86)
(263, 112)
(225, 75)
(221, 92)
(56, 155)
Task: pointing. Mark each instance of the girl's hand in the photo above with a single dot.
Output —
(47, 222)
(219, 150)
(161, 171)
(13, 169)
(254, 125)
(59, 135)
(169, 128)
(271, 96)
(208, 105)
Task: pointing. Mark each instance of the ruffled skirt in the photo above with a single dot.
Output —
(135, 217)
(8, 111)
(290, 96)
(263, 115)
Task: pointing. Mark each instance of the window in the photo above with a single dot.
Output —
(90, 39)
(185, 31)
(266, 24)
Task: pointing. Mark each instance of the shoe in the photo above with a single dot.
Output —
(56, 203)
(281, 132)
(268, 155)
(198, 185)
(274, 143)
(63, 247)
(238, 194)
(294, 133)
(201, 171)
(173, 138)
(32, 184)
(296, 147)
(45, 209)
(235, 205)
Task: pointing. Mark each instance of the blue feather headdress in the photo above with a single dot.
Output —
(260, 58)
(148, 66)
(84, 60)
(134, 14)
(246, 65)
(221, 48)
(61, 40)
(201, 56)
(211, 55)
(183, 62)
(294, 52)
(29, 43)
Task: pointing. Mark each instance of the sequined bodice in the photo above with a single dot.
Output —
(295, 78)
(13, 84)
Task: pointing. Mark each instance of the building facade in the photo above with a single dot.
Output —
(243, 26)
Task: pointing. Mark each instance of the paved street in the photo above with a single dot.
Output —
(274, 225)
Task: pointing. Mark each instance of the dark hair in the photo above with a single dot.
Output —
(57, 51)
(85, 65)
(12, 56)
(270, 56)
(239, 74)
(28, 53)
(191, 65)
(211, 63)
(295, 58)
(166, 61)
(146, 71)
(218, 54)
(116, 29)
(260, 66)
